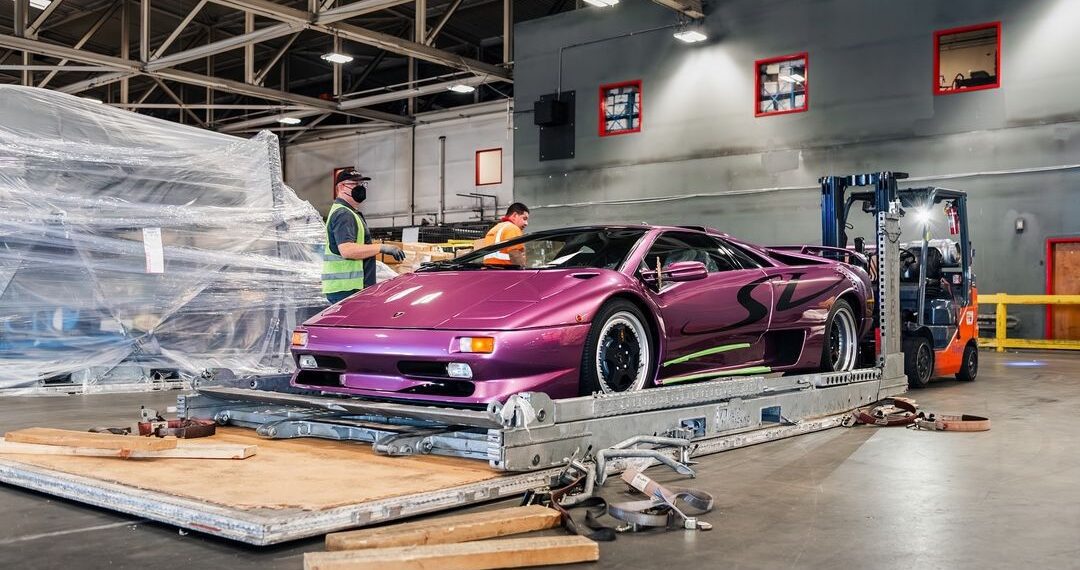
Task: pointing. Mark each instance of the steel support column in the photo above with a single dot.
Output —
(249, 48)
(144, 30)
(508, 32)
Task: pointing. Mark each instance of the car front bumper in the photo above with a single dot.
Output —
(409, 364)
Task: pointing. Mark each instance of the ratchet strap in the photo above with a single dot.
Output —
(662, 510)
(904, 412)
(663, 506)
(946, 422)
(888, 412)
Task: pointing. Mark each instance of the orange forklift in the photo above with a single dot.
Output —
(938, 298)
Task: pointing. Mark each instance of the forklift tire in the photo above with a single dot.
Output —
(969, 367)
(918, 361)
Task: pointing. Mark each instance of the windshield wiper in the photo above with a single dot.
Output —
(451, 265)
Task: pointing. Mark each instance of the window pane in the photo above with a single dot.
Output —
(622, 109)
(674, 247)
(968, 58)
(782, 85)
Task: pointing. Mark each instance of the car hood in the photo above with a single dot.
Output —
(479, 299)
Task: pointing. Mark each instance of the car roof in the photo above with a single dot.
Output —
(644, 227)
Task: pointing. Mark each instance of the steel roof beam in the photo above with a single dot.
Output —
(356, 9)
(129, 68)
(689, 8)
(369, 37)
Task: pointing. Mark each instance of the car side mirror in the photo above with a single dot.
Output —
(676, 272)
(686, 271)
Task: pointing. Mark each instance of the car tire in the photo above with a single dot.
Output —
(969, 366)
(918, 361)
(840, 351)
(620, 351)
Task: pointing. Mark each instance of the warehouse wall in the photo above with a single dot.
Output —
(703, 158)
(385, 156)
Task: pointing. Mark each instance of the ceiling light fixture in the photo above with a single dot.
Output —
(334, 57)
(39, 4)
(91, 99)
(690, 36)
(288, 120)
(462, 88)
(602, 3)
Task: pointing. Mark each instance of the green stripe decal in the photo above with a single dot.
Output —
(707, 351)
(717, 374)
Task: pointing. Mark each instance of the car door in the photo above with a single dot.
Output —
(711, 323)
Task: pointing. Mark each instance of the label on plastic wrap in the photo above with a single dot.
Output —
(155, 255)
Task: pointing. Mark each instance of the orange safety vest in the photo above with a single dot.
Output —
(503, 231)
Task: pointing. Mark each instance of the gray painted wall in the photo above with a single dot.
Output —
(384, 156)
(871, 108)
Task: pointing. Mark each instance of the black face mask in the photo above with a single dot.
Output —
(359, 193)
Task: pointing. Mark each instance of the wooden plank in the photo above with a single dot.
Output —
(187, 450)
(448, 530)
(482, 555)
(69, 438)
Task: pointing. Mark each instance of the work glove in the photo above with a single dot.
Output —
(393, 251)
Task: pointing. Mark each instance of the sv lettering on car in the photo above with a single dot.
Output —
(757, 311)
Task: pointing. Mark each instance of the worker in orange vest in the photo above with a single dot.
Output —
(511, 226)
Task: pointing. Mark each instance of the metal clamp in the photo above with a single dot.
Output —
(625, 449)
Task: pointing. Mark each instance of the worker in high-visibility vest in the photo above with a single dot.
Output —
(349, 255)
(511, 226)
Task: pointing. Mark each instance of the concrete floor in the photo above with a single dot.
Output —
(845, 498)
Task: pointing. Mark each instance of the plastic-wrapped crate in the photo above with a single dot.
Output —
(131, 246)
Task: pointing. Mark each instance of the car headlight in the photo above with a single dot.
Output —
(308, 361)
(458, 370)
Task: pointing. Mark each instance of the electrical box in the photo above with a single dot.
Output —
(550, 112)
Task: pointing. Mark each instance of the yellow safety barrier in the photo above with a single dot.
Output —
(1002, 299)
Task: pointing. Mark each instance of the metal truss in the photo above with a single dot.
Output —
(157, 63)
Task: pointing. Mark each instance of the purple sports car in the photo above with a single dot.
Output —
(595, 309)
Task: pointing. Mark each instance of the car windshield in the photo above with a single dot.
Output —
(598, 248)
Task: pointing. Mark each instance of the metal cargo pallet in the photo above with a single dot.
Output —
(530, 438)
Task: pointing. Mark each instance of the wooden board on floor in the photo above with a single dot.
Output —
(186, 449)
(307, 474)
(70, 438)
(448, 530)
(503, 553)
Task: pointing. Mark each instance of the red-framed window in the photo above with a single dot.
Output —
(783, 85)
(620, 108)
(967, 58)
(1070, 247)
(489, 166)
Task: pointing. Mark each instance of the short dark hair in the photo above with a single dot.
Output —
(517, 208)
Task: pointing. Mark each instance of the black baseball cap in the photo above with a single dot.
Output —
(350, 174)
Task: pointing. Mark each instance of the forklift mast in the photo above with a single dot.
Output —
(834, 208)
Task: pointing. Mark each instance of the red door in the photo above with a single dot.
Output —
(1063, 278)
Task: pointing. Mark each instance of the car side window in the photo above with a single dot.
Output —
(739, 256)
(673, 247)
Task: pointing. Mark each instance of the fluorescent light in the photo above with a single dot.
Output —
(798, 78)
(39, 4)
(690, 36)
(334, 57)
(288, 120)
(602, 3)
(462, 88)
(91, 99)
